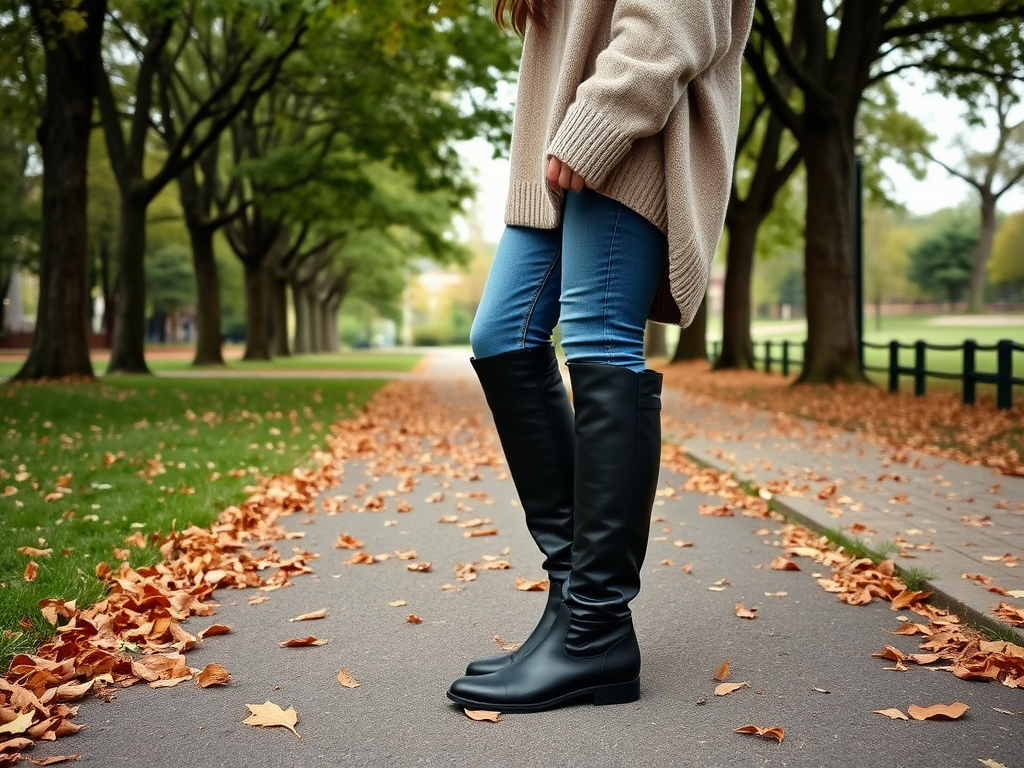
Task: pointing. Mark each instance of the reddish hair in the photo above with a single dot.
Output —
(516, 13)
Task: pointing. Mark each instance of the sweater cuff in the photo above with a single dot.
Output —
(589, 144)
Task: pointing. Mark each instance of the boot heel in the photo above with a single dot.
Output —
(621, 693)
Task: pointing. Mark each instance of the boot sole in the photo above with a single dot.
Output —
(601, 695)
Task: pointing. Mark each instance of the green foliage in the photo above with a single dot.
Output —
(941, 262)
(1007, 264)
(169, 282)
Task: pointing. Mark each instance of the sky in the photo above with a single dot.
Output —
(938, 190)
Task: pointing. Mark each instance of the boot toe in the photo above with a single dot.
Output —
(488, 665)
(477, 692)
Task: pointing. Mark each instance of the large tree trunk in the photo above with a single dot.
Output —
(208, 342)
(303, 318)
(278, 287)
(257, 335)
(693, 340)
(333, 343)
(316, 320)
(737, 344)
(832, 343)
(60, 345)
(982, 251)
(128, 350)
(655, 344)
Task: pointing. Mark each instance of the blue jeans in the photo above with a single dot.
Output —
(596, 275)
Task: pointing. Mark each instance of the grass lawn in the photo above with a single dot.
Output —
(907, 329)
(86, 465)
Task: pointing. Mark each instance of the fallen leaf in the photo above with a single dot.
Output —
(784, 564)
(419, 567)
(405, 554)
(33, 552)
(525, 585)
(990, 763)
(724, 689)
(31, 571)
(397, 603)
(360, 558)
(481, 532)
(258, 599)
(311, 615)
(412, 618)
(907, 598)
(938, 711)
(482, 715)
(892, 714)
(772, 732)
(745, 613)
(213, 630)
(302, 642)
(53, 759)
(345, 541)
(213, 674)
(20, 724)
(269, 715)
(722, 673)
(347, 680)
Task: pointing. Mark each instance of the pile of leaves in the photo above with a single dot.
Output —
(937, 424)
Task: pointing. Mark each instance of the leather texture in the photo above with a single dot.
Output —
(534, 420)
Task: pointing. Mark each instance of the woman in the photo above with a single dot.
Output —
(622, 154)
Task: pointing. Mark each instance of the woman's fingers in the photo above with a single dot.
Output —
(561, 175)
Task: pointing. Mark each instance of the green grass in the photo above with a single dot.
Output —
(137, 454)
(182, 361)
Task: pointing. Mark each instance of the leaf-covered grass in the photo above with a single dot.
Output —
(86, 465)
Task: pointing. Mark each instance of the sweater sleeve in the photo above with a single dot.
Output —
(656, 48)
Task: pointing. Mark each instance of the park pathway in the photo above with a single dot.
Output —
(806, 658)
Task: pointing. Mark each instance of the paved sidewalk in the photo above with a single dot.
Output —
(806, 657)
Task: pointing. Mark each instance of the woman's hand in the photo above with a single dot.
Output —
(561, 175)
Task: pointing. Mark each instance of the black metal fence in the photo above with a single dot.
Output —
(781, 357)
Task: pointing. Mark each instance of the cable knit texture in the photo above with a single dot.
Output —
(641, 98)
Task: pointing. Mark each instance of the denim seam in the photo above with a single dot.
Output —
(608, 280)
(528, 317)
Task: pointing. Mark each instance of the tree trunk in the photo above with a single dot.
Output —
(737, 344)
(832, 342)
(693, 341)
(316, 324)
(655, 344)
(128, 350)
(257, 336)
(60, 345)
(331, 324)
(208, 343)
(303, 318)
(279, 313)
(982, 251)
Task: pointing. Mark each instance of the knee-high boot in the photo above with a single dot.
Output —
(591, 649)
(534, 420)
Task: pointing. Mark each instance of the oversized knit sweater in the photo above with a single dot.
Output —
(641, 98)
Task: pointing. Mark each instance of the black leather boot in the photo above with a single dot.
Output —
(591, 650)
(534, 420)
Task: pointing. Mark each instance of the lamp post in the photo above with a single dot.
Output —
(858, 243)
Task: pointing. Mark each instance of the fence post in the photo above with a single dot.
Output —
(919, 368)
(970, 349)
(768, 356)
(1004, 374)
(894, 366)
(785, 358)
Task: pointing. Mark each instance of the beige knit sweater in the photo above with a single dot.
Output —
(641, 98)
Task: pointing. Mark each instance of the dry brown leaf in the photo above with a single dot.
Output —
(170, 682)
(990, 763)
(907, 598)
(952, 711)
(784, 564)
(213, 674)
(724, 689)
(20, 724)
(347, 680)
(346, 541)
(257, 599)
(311, 616)
(771, 732)
(418, 567)
(482, 715)
(745, 613)
(412, 618)
(302, 642)
(481, 532)
(31, 571)
(722, 673)
(892, 714)
(269, 715)
(33, 552)
(405, 554)
(526, 585)
(360, 558)
(397, 603)
(53, 759)
(213, 630)
(1010, 614)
